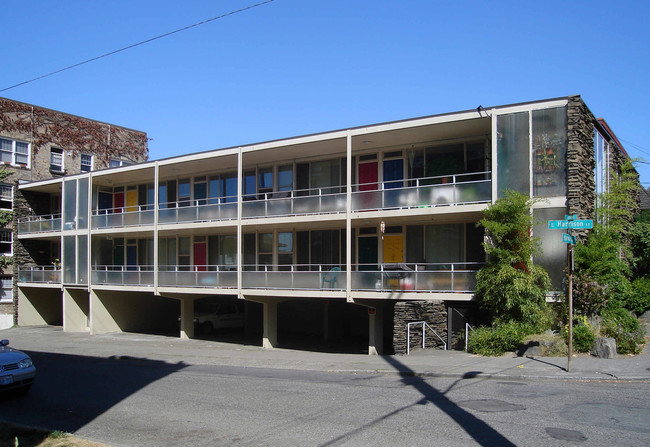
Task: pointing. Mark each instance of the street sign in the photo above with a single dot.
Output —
(568, 238)
(572, 224)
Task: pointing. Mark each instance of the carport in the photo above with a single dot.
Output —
(40, 306)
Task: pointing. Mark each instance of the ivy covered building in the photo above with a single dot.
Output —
(37, 144)
(345, 235)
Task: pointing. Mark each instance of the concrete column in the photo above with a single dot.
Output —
(102, 320)
(376, 330)
(270, 335)
(187, 318)
(75, 310)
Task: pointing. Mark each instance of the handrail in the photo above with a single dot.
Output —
(422, 181)
(424, 336)
(39, 217)
(468, 328)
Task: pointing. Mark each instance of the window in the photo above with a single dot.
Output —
(14, 152)
(6, 242)
(7, 290)
(56, 160)
(6, 197)
(86, 162)
(116, 163)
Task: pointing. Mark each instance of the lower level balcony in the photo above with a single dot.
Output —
(125, 275)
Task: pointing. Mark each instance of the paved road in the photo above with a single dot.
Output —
(141, 402)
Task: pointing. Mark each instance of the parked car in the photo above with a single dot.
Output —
(17, 370)
(212, 315)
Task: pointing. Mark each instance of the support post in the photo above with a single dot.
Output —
(270, 335)
(376, 331)
(187, 318)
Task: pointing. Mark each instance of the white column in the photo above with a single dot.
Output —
(376, 331)
(270, 335)
(187, 318)
(348, 222)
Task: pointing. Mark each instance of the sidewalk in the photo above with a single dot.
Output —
(429, 363)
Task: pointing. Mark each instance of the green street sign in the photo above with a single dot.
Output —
(572, 224)
(568, 239)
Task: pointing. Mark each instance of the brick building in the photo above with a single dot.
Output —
(37, 144)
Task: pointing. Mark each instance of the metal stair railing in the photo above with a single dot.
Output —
(425, 325)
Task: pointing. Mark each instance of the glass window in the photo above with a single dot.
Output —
(184, 252)
(227, 250)
(6, 150)
(6, 242)
(554, 256)
(56, 160)
(285, 249)
(200, 191)
(513, 153)
(70, 204)
(7, 290)
(229, 187)
(325, 173)
(285, 178)
(82, 196)
(184, 192)
(549, 152)
(264, 249)
(214, 187)
(22, 153)
(249, 185)
(265, 180)
(86, 162)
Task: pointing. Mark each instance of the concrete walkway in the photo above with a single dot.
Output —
(429, 363)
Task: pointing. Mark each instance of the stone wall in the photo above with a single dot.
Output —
(581, 196)
(433, 312)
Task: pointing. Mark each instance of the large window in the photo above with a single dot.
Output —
(14, 152)
(513, 149)
(6, 242)
(549, 152)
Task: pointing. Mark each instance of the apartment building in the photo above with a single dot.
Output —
(38, 143)
(348, 235)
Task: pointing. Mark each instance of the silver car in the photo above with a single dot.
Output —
(17, 370)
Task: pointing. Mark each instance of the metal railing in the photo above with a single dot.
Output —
(416, 277)
(41, 274)
(127, 275)
(425, 325)
(128, 216)
(296, 202)
(39, 224)
(468, 328)
(221, 276)
(294, 277)
(200, 210)
(456, 189)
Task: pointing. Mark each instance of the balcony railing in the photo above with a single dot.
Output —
(220, 276)
(294, 277)
(420, 277)
(298, 202)
(39, 224)
(42, 274)
(129, 275)
(131, 216)
(458, 189)
(202, 210)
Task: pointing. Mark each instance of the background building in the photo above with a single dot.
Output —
(346, 235)
(38, 143)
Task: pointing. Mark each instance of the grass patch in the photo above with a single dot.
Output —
(12, 435)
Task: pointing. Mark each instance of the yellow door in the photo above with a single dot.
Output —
(393, 249)
(132, 200)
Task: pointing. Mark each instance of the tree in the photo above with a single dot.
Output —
(510, 286)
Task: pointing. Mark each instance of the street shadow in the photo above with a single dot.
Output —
(71, 390)
(546, 363)
(482, 433)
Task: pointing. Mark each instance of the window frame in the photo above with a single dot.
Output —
(82, 164)
(14, 154)
(54, 167)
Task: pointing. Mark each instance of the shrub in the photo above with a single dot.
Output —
(622, 325)
(497, 339)
(639, 302)
(583, 337)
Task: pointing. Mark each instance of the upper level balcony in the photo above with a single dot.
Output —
(132, 216)
(41, 274)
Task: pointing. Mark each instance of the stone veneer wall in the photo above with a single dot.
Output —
(581, 196)
(433, 312)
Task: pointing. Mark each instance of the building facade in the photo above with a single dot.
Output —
(347, 235)
(38, 143)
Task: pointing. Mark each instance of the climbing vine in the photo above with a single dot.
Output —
(71, 132)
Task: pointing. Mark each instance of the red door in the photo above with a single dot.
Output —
(200, 256)
(119, 202)
(368, 176)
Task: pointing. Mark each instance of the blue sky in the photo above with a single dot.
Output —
(294, 67)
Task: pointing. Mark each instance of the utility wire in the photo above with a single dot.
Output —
(137, 44)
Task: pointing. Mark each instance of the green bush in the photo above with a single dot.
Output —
(625, 328)
(583, 337)
(497, 339)
(639, 302)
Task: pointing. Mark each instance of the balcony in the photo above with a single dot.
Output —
(132, 216)
(293, 277)
(458, 189)
(220, 276)
(421, 277)
(42, 274)
(203, 210)
(122, 275)
(39, 224)
(299, 202)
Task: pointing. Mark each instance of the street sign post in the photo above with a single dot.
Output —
(570, 223)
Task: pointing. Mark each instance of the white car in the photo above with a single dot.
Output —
(17, 370)
(210, 315)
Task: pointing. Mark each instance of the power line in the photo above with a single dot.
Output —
(137, 44)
